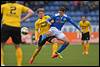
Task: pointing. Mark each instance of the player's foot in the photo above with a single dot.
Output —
(60, 56)
(85, 53)
(35, 42)
(57, 55)
(19, 65)
(2, 65)
(31, 61)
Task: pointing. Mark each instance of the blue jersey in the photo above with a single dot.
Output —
(60, 21)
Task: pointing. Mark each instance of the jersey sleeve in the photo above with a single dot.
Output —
(36, 26)
(53, 17)
(71, 21)
(25, 9)
(48, 19)
(80, 23)
(2, 6)
(90, 26)
(36, 31)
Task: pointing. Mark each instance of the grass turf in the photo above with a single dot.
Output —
(72, 56)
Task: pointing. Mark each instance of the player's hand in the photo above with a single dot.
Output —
(52, 21)
(22, 20)
(48, 33)
(79, 31)
(35, 42)
(90, 33)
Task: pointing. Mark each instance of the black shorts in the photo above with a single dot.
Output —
(85, 36)
(42, 42)
(13, 32)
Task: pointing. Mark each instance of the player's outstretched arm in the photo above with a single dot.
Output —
(50, 20)
(71, 21)
(35, 42)
(90, 28)
(30, 13)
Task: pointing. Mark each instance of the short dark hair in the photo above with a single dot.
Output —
(40, 10)
(62, 9)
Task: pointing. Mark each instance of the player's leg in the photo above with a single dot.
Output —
(19, 54)
(55, 45)
(87, 43)
(4, 37)
(61, 37)
(2, 56)
(83, 43)
(41, 42)
(16, 37)
(54, 41)
(87, 47)
(84, 47)
(54, 48)
(36, 52)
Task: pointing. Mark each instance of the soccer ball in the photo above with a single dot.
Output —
(24, 30)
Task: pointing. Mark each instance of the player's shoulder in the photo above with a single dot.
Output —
(88, 21)
(57, 14)
(15, 4)
(81, 21)
(65, 15)
(3, 5)
(37, 21)
(47, 16)
(20, 5)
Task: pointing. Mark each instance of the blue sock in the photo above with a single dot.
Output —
(44, 36)
(62, 47)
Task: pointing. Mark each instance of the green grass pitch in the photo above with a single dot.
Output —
(72, 56)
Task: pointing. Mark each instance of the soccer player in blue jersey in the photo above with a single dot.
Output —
(59, 20)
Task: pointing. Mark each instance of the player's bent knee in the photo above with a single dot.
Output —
(2, 45)
(54, 40)
(66, 43)
(85, 42)
(17, 46)
(39, 48)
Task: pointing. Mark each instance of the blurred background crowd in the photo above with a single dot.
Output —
(75, 9)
